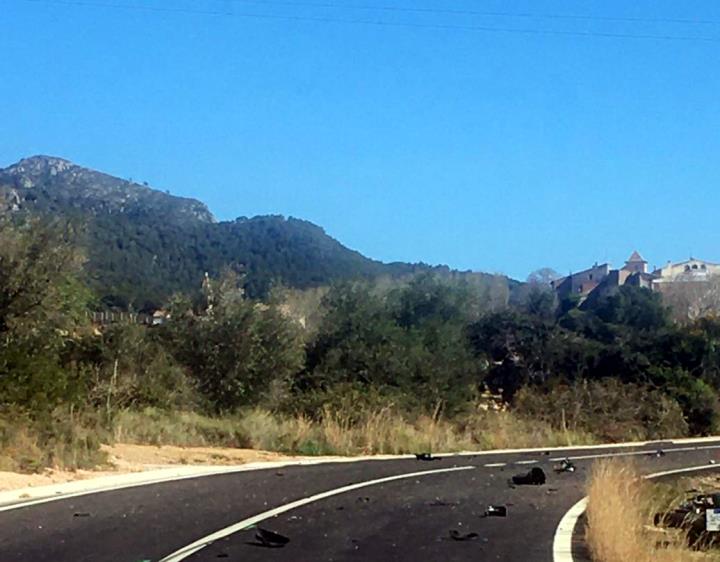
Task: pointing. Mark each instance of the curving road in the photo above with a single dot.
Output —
(371, 510)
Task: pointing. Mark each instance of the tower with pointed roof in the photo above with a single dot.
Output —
(636, 263)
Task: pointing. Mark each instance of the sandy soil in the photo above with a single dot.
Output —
(134, 458)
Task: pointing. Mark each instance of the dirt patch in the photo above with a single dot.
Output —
(134, 457)
(124, 458)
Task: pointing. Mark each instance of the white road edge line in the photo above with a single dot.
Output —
(562, 542)
(194, 547)
(632, 453)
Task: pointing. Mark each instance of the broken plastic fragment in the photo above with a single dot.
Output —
(426, 457)
(565, 466)
(270, 538)
(496, 511)
(458, 536)
(536, 477)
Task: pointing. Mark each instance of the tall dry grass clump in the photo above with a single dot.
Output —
(619, 516)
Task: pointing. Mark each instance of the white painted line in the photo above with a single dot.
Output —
(562, 542)
(681, 471)
(190, 549)
(495, 464)
(635, 453)
(526, 462)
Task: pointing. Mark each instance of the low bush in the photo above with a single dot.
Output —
(610, 410)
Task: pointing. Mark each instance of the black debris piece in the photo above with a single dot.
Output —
(659, 453)
(458, 536)
(426, 457)
(270, 539)
(81, 514)
(363, 499)
(536, 477)
(495, 511)
(565, 465)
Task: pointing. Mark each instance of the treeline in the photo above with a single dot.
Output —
(430, 346)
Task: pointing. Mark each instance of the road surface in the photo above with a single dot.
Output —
(399, 518)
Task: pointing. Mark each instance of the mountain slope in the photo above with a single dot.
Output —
(143, 245)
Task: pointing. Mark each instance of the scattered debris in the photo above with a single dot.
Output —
(437, 502)
(495, 511)
(565, 466)
(536, 477)
(659, 453)
(692, 517)
(458, 536)
(270, 539)
(363, 499)
(426, 457)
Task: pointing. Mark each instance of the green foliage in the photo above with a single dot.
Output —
(237, 348)
(411, 339)
(42, 308)
(420, 351)
(609, 409)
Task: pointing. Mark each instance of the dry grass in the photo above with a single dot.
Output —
(375, 431)
(620, 508)
(68, 441)
(63, 440)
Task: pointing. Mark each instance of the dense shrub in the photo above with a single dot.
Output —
(608, 409)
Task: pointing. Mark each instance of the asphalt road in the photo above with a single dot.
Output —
(403, 519)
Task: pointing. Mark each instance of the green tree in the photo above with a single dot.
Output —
(42, 313)
(235, 349)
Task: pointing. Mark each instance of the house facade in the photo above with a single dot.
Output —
(690, 270)
(634, 273)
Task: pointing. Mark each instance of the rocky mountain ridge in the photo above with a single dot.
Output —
(46, 182)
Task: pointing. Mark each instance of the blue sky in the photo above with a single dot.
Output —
(484, 150)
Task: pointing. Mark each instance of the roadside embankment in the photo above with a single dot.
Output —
(620, 510)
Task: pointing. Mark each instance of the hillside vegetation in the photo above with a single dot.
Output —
(144, 245)
(431, 362)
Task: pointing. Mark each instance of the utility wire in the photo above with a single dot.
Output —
(376, 22)
(464, 12)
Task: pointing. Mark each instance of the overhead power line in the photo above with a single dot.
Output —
(465, 12)
(376, 22)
